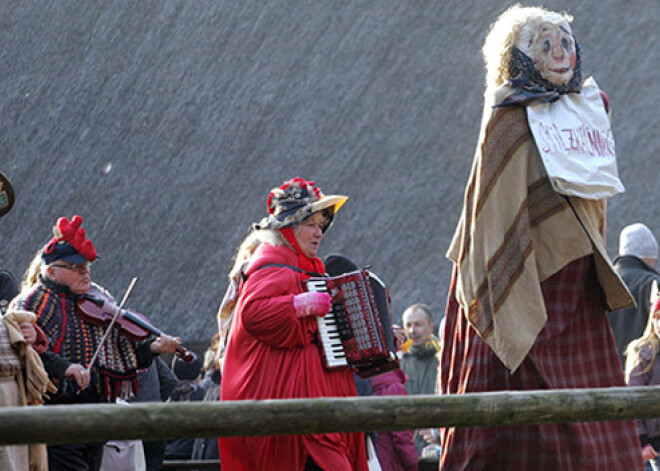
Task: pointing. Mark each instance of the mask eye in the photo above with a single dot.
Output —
(564, 43)
(546, 46)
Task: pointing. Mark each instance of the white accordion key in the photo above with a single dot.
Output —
(328, 331)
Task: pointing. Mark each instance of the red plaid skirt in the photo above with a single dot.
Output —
(575, 349)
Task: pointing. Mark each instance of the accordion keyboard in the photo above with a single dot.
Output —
(329, 331)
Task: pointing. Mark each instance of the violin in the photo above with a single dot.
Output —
(98, 308)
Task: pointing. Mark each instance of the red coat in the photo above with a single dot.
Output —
(270, 355)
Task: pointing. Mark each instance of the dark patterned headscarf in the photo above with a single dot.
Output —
(529, 85)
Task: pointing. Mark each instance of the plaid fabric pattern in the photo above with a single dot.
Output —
(9, 363)
(575, 349)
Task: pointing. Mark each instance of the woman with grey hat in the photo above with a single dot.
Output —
(268, 322)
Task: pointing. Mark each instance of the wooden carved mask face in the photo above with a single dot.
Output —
(551, 47)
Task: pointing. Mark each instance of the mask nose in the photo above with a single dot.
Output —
(557, 52)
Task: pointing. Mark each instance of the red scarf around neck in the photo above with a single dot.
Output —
(310, 264)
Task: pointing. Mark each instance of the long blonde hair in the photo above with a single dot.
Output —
(31, 275)
(242, 259)
(645, 347)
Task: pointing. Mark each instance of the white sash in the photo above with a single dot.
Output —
(576, 144)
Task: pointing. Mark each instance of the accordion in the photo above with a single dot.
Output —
(357, 332)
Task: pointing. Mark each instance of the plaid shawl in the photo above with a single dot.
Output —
(575, 349)
(515, 232)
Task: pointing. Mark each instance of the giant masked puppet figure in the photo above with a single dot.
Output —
(532, 279)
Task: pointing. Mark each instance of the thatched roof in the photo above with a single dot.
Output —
(164, 124)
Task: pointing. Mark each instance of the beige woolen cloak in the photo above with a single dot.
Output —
(515, 232)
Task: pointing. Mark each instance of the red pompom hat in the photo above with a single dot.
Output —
(69, 243)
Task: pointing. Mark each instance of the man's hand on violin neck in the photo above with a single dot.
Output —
(165, 344)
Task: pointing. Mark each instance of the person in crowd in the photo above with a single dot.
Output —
(638, 251)
(336, 265)
(206, 448)
(211, 366)
(58, 280)
(8, 288)
(23, 379)
(187, 389)
(531, 279)
(642, 369)
(272, 350)
(395, 449)
(420, 362)
(156, 383)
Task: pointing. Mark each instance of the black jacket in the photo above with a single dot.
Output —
(8, 289)
(628, 324)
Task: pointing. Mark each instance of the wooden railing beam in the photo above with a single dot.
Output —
(156, 421)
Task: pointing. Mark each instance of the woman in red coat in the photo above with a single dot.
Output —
(272, 349)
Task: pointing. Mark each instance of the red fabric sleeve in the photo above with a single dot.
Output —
(40, 345)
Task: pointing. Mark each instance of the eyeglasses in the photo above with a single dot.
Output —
(78, 267)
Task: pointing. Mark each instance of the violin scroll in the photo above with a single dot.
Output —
(186, 355)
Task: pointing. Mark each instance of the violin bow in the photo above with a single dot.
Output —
(112, 322)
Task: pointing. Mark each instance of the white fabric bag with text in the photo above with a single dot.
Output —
(575, 140)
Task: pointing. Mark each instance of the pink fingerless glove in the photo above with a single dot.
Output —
(312, 304)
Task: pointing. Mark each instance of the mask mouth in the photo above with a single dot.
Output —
(561, 71)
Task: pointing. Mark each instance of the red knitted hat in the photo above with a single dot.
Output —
(69, 243)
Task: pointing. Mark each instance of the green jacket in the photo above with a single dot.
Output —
(421, 366)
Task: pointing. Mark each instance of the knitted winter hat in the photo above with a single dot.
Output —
(638, 240)
(187, 370)
(295, 201)
(337, 264)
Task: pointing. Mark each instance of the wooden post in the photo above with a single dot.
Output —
(154, 421)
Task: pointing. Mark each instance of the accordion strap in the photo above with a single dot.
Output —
(299, 270)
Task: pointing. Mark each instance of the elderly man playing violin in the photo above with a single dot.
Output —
(54, 295)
